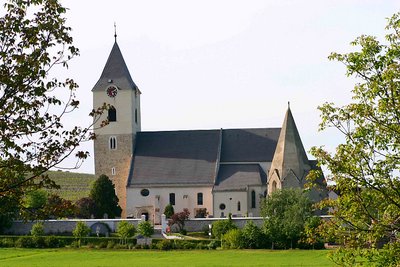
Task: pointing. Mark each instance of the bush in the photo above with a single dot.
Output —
(53, 242)
(183, 232)
(37, 229)
(110, 244)
(38, 242)
(165, 244)
(219, 228)
(102, 244)
(183, 244)
(253, 237)
(169, 211)
(214, 244)
(146, 229)
(75, 244)
(232, 239)
(7, 242)
(24, 242)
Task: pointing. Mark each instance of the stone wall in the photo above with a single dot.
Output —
(65, 226)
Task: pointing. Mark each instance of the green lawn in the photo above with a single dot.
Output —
(85, 257)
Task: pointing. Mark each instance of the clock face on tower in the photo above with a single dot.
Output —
(112, 91)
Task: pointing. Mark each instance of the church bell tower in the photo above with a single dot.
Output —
(114, 143)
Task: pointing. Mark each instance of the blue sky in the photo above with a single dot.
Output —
(225, 64)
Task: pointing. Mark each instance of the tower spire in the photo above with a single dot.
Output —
(115, 31)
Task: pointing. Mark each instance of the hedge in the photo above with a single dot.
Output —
(103, 242)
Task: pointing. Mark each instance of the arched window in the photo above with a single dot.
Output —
(253, 199)
(112, 114)
(273, 186)
(113, 142)
(113, 171)
(199, 198)
(238, 206)
(172, 198)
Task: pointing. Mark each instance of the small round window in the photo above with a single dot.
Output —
(222, 206)
(145, 192)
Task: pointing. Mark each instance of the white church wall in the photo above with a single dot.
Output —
(230, 200)
(159, 197)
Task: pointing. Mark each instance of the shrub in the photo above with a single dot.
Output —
(232, 239)
(38, 242)
(165, 244)
(7, 242)
(37, 229)
(219, 228)
(53, 242)
(253, 237)
(183, 232)
(146, 229)
(24, 242)
(213, 244)
(110, 244)
(102, 244)
(183, 244)
(169, 211)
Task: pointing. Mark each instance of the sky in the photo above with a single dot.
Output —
(224, 64)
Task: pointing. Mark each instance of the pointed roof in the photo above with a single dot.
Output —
(289, 152)
(116, 71)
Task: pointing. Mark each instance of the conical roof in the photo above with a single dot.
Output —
(289, 155)
(116, 72)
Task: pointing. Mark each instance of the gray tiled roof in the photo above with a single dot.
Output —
(191, 157)
(115, 70)
(175, 157)
(232, 177)
(249, 145)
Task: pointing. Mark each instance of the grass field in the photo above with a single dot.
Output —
(73, 185)
(83, 257)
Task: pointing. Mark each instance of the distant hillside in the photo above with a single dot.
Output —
(73, 185)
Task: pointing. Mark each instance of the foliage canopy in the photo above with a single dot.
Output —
(365, 168)
(103, 194)
(34, 40)
(285, 213)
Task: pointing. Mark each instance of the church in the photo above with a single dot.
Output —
(209, 172)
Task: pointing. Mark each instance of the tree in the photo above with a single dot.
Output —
(34, 40)
(57, 207)
(145, 229)
(103, 194)
(365, 168)
(179, 219)
(81, 230)
(169, 211)
(84, 208)
(33, 202)
(125, 230)
(285, 213)
(312, 232)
